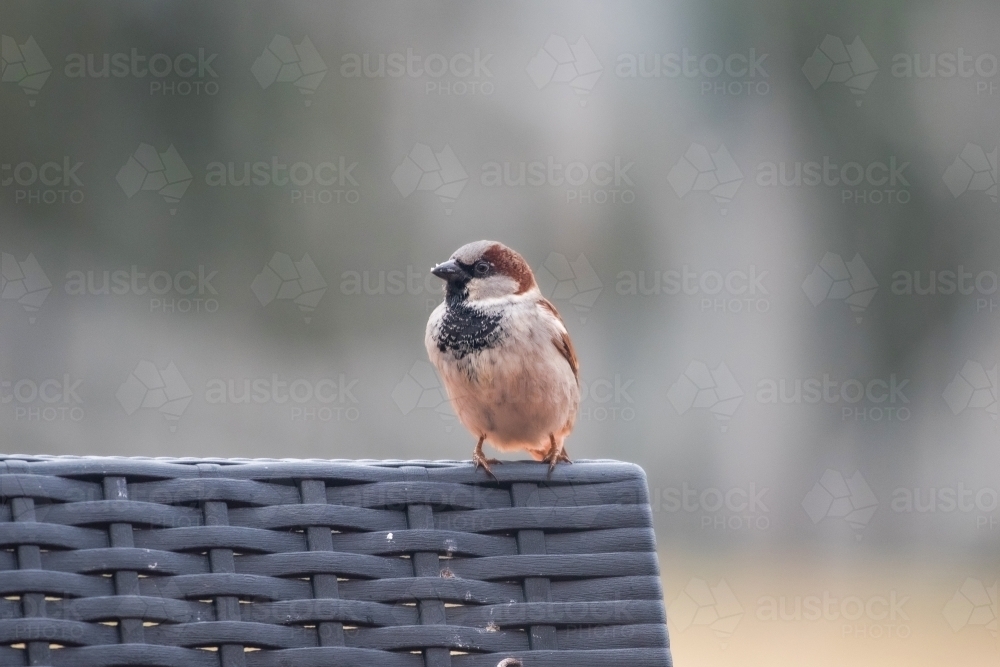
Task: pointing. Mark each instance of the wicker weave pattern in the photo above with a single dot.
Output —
(259, 563)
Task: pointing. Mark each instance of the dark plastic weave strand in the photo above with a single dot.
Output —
(268, 563)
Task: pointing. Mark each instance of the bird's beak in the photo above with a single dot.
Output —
(448, 270)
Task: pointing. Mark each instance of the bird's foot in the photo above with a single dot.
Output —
(480, 460)
(554, 456)
(552, 459)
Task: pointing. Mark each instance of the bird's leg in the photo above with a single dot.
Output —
(554, 455)
(564, 455)
(480, 459)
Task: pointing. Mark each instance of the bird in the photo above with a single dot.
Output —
(504, 355)
(509, 662)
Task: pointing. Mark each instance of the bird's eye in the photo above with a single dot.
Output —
(482, 268)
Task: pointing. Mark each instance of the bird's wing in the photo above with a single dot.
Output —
(562, 340)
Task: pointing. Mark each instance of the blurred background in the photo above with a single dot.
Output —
(771, 228)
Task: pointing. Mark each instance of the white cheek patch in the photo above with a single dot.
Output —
(492, 287)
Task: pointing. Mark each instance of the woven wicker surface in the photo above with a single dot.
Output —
(232, 562)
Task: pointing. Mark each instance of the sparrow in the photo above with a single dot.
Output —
(503, 354)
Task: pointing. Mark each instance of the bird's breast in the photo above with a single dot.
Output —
(463, 330)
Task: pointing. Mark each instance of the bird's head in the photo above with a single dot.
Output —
(484, 270)
(510, 662)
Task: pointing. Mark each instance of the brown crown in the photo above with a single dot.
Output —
(509, 263)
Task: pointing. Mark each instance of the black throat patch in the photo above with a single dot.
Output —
(465, 329)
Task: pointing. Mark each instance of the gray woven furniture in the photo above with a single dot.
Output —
(232, 562)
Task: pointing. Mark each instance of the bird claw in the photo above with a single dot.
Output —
(479, 460)
(553, 458)
(552, 461)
